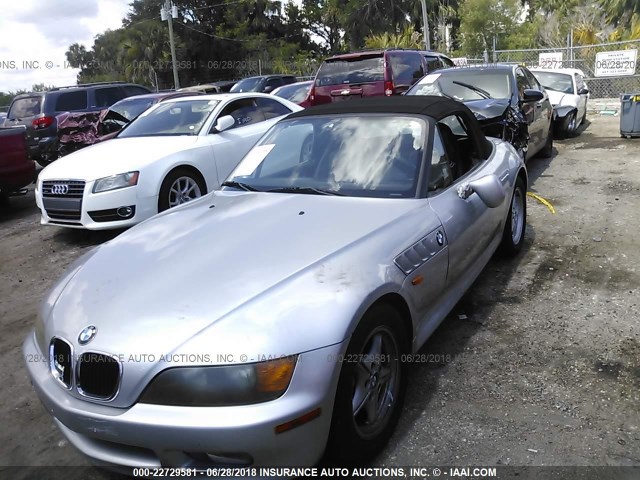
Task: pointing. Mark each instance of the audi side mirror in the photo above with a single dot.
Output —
(224, 123)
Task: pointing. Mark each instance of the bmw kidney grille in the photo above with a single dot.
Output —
(97, 375)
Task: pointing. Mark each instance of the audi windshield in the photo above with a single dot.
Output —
(181, 117)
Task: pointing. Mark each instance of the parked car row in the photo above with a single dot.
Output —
(38, 111)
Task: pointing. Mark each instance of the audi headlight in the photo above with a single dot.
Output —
(218, 386)
(114, 182)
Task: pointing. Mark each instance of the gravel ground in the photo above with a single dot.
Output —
(539, 364)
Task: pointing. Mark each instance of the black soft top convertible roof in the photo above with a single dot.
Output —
(433, 106)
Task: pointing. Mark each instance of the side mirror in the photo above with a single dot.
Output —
(530, 95)
(583, 91)
(224, 123)
(488, 188)
(268, 89)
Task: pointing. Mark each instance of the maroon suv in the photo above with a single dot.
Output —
(372, 73)
(16, 169)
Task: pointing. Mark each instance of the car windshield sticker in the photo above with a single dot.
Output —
(253, 159)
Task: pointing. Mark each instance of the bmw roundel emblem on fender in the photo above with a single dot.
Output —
(87, 334)
(440, 238)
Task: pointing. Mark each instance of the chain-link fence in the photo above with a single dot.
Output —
(608, 73)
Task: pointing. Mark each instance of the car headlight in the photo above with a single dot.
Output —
(224, 385)
(114, 182)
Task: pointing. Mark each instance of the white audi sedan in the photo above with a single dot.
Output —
(174, 152)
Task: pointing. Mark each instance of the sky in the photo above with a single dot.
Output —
(35, 34)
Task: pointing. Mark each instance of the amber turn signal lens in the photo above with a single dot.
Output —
(275, 375)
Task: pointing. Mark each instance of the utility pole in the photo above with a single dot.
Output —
(168, 13)
(425, 26)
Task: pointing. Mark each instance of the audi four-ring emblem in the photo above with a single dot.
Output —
(60, 189)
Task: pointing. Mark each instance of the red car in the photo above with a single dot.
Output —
(373, 73)
(17, 170)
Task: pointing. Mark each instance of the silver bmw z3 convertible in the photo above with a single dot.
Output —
(268, 323)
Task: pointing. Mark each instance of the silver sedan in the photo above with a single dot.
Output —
(272, 321)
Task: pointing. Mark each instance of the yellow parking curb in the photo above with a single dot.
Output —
(546, 203)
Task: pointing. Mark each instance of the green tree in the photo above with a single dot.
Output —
(408, 38)
(621, 12)
(482, 20)
(323, 19)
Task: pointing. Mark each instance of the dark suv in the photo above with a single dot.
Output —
(373, 73)
(38, 110)
(262, 83)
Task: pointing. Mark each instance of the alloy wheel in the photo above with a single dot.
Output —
(376, 383)
(183, 190)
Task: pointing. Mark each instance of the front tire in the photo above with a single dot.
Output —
(570, 125)
(180, 186)
(516, 224)
(547, 150)
(370, 390)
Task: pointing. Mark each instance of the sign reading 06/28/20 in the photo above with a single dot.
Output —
(613, 64)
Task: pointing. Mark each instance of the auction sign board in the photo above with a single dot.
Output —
(550, 60)
(616, 64)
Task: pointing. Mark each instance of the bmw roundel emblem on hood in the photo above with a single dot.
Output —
(87, 334)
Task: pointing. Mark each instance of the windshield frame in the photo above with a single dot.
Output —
(161, 104)
(417, 190)
(453, 75)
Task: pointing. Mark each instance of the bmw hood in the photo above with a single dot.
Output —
(157, 286)
(118, 155)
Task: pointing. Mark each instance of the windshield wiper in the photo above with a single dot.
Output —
(243, 186)
(479, 91)
(308, 190)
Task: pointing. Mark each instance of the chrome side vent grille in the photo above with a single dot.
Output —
(421, 251)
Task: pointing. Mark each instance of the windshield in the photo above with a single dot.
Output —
(351, 71)
(25, 107)
(354, 155)
(295, 93)
(496, 83)
(560, 82)
(247, 85)
(180, 117)
(131, 108)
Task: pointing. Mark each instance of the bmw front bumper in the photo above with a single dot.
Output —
(145, 435)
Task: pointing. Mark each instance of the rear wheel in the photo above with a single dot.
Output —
(516, 224)
(180, 186)
(371, 388)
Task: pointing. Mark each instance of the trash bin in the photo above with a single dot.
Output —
(630, 115)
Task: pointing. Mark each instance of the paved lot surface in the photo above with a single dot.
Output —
(539, 364)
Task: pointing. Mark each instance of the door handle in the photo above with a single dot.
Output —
(538, 105)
